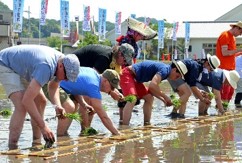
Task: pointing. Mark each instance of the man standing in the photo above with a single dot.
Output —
(226, 51)
(24, 69)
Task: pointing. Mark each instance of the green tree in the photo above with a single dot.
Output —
(92, 39)
(4, 7)
(56, 42)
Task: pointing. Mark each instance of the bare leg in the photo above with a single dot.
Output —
(40, 102)
(17, 119)
(147, 108)
(121, 115)
(127, 112)
(203, 107)
(64, 124)
(184, 93)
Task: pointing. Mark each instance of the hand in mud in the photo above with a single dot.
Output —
(48, 143)
(48, 137)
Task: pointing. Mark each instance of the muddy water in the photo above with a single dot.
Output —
(211, 142)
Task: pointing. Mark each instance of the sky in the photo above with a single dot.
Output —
(171, 10)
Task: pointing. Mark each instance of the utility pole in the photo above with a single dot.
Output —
(28, 22)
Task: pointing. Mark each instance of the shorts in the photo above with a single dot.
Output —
(63, 95)
(202, 87)
(11, 81)
(130, 86)
(176, 83)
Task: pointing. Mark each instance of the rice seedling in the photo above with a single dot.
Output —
(211, 95)
(74, 116)
(89, 131)
(6, 112)
(130, 98)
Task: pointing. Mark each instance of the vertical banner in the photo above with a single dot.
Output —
(133, 16)
(86, 26)
(43, 11)
(187, 34)
(161, 28)
(65, 16)
(77, 24)
(175, 29)
(93, 25)
(18, 6)
(77, 29)
(118, 23)
(102, 23)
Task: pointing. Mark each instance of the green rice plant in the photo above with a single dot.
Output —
(73, 116)
(211, 95)
(176, 102)
(225, 105)
(130, 98)
(89, 131)
(172, 96)
(105, 108)
(6, 112)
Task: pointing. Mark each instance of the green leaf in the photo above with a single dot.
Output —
(225, 105)
(6, 112)
(105, 107)
(172, 96)
(73, 116)
(130, 98)
(89, 131)
(176, 102)
(211, 95)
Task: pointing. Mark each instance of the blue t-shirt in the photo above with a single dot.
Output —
(213, 79)
(31, 61)
(146, 70)
(88, 84)
(194, 69)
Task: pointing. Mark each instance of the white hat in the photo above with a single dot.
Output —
(238, 24)
(232, 77)
(182, 68)
(141, 28)
(213, 61)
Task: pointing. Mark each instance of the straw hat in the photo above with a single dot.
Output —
(213, 61)
(238, 24)
(141, 28)
(232, 77)
(182, 68)
(128, 52)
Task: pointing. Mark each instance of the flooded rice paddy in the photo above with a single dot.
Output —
(204, 139)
